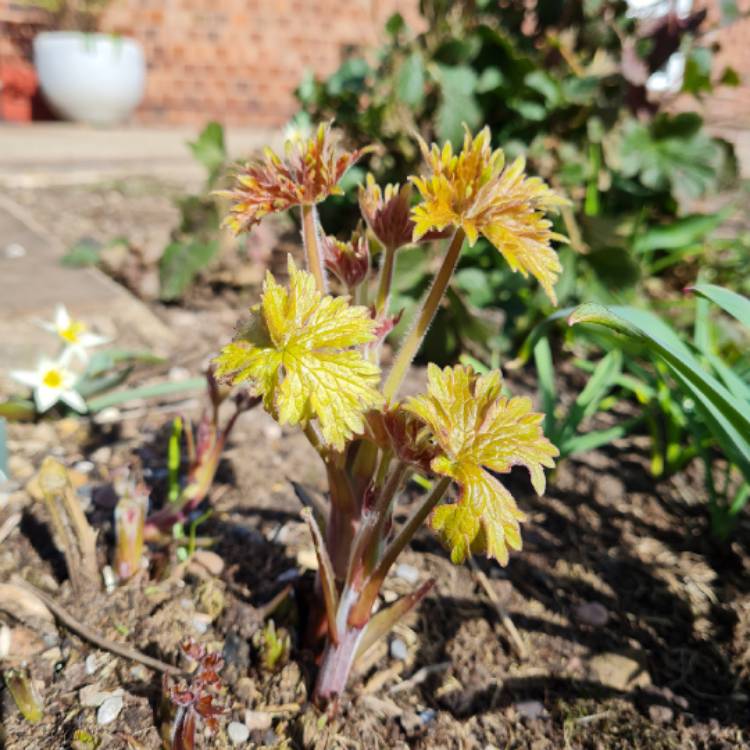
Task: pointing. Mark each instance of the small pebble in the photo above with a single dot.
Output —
(399, 650)
(178, 373)
(93, 695)
(288, 575)
(407, 573)
(109, 710)
(91, 664)
(427, 716)
(238, 733)
(200, 625)
(258, 720)
(110, 579)
(212, 562)
(530, 709)
(110, 415)
(272, 431)
(660, 714)
(14, 250)
(591, 613)
(101, 455)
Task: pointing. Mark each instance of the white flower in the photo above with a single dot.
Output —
(52, 382)
(73, 333)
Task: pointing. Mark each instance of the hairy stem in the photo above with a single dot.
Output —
(413, 341)
(360, 613)
(342, 521)
(385, 281)
(311, 241)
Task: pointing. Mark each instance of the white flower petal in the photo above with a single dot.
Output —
(62, 319)
(46, 397)
(74, 400)
(27, 377)
(92, 339)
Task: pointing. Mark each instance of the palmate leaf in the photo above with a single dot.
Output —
(299, 352)
(478, 431)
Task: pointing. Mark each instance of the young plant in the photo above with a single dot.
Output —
(203, 455)
(314, 359)
(130, 517)
(195, 697)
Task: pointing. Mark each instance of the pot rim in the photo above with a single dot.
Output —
(97, 35)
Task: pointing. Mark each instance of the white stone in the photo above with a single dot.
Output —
(237, 732)
(91, 664)
(407, 573)
(399, 650)
(109, 710)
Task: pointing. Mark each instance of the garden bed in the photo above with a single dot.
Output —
(636, 624)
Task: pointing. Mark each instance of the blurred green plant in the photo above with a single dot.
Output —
(198, 239)
(566, 85)
(73, 15)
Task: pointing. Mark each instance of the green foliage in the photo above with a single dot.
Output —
(568, 91)
(712, 378)
(198, 239)
(273, 646)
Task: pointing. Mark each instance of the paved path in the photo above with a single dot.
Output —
(60, 153)
(32, 282)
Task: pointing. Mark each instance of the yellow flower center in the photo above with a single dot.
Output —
(52, 379)
(72, 332)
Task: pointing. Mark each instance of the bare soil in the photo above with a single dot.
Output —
(637, 622)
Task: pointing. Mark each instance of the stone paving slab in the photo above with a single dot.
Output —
(32, 283)
(60, 153)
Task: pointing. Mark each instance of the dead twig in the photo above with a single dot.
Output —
(90, 635)
(519, 645)
(419, 677)
(9, 525)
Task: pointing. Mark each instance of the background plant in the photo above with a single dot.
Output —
(564, 84)
(710, 375)
(74, 15)
(80, 378)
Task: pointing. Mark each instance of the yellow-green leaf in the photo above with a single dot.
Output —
(299, 351)
(479, 429)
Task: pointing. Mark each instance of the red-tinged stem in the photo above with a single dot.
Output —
(385, 281)
(360, 612)
(311, 241)
(413, 341)
(338, 658)
(342, 520)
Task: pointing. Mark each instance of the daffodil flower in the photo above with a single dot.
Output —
(52, 381)
(74, 334)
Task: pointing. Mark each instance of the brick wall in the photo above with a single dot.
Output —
(239, 60)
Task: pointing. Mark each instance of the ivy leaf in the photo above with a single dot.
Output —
(480, 431)
(299, 352)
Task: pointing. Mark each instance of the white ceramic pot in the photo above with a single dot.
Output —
(93, 78)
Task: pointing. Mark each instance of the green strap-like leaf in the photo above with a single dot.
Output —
(732, 303)
(726, 415)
